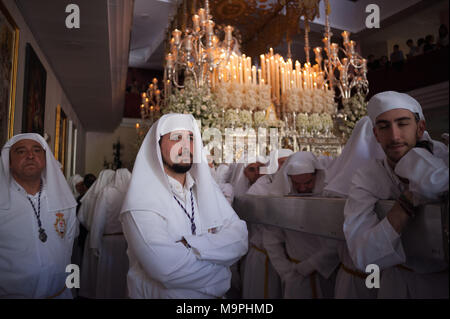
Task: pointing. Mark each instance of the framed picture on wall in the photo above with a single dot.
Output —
(33, 93)
(9, 49)
(74, 149)
(61, 137)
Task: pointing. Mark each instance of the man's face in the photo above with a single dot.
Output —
(81, 188)
(27, 160)
(177, 149)
(252, 172)
(303, 183)
(397, 132)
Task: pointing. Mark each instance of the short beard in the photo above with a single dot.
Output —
(178, 168)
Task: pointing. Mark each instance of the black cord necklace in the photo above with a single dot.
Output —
(42, 234)
(191, 218)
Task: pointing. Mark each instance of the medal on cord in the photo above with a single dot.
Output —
(42, 234)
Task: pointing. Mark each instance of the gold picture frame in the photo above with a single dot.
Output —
(9, 52)
(60, 137)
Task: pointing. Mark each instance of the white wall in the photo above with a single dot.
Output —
(99, 146)
(55, 95)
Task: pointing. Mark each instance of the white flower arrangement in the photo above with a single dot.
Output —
(302, 121)
(309, 101)
(199, 102)
(245, 118)
(315, 122)
(232, 118)
(249, 97)
(259, 118)
(327, 122)
(354, 109)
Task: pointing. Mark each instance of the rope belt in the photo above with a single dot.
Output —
(354, 272)
(266, 271)
(113, 234)
(312, 279)
(57, 294)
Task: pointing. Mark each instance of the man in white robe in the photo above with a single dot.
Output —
(277, 158)
(245, 173)
(37, 221)
(73, 181)
(414, 171)
(107, 241)
(85, 215)
(219, 175)
(305, 262)
(260, 279)
(182, 234)
(360, 148)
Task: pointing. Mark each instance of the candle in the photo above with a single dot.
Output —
(260, 79)
(188, 43)
(196, 21)
(277, 80)
(209, 27)
(202, 15)
(334, 50)
(169, 59)
(228, 36)
(254, 74)
(241, 75)
(346, 36)
(176, 36)
(272, 75)
(263, 67)
(352, 47)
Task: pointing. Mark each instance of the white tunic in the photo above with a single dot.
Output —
(107, 238)
(30, 268)
(260, 187)
(305, 262)
(162, 267)
(255, 283)
(374, 241)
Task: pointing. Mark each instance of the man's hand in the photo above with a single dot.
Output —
(184, 242)
(213, 230)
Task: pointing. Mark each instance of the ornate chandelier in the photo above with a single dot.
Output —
(352, 68)
(151, 102)
(198, 52)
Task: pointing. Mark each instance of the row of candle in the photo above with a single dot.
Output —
(281, 75)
